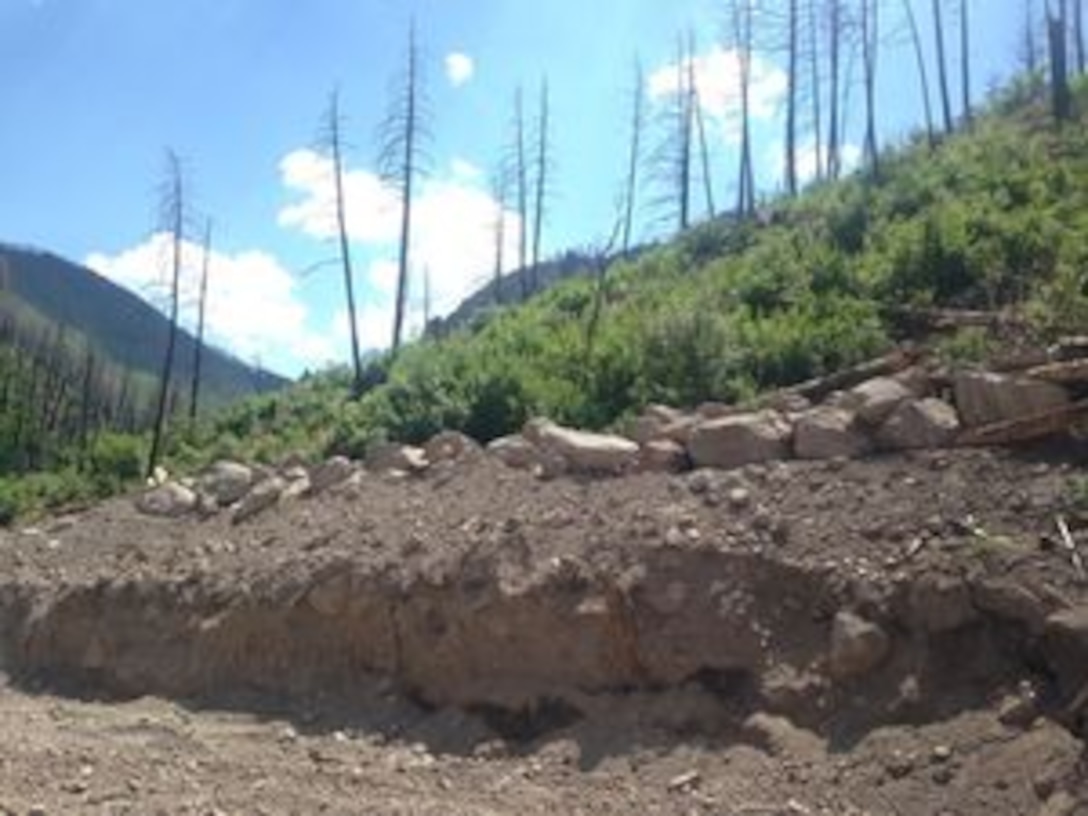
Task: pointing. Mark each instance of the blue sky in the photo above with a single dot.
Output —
(93, 91)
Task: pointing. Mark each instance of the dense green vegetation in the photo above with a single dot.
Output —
(996, 217)
(992, 218)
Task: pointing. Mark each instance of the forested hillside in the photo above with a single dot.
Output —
(79, 360)
(994, 217)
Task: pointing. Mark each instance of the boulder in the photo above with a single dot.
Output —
(875, 400)
(857, 646)
(265, 494)
(735, 441)
(829, 433)
(983, 398)
(644, 429)
(662, 456)
(448, 446)
(168, 500)
(227, 482)
(393, 457)
(926, 423)
(514, 451)
(584, 452)
(329, 473)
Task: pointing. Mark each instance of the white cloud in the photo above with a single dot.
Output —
(254, 308)
(459, 68)
(806, 160)
(717, 78)
(453, 235)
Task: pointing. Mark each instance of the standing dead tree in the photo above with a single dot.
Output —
(793, 56)
(518, 159)
(403, 133)
(700, 128)
(870, 45)
(942, 66)
(741, 19)
(333, 138)
(1057, 29)
(965, 59)
(500, 188)
(634, 153)
(923, 74)
(173, 214)
(201, 312)
(543, 174)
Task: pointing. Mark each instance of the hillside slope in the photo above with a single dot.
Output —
(128, 330)
(993, 219)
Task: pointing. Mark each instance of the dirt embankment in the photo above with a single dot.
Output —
(843, 598)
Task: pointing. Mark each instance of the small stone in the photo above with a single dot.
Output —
(941, 753)
(739, 498)
(944, 775)
(689, 779)
(900, 765)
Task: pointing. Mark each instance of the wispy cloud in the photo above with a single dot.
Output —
(460, 68)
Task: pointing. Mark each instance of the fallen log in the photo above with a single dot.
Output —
(1025, 429)
(1066, 373)
(891, 363)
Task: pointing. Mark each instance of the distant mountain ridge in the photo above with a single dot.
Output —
(128, 330)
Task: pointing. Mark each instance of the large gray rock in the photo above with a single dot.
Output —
(857, 646)
(226, 481)
(735, 441)
(874, 400)
(983, 397)
(829, 433)
(260, 498)
(168, 500)
(916, 424)
(583, 452)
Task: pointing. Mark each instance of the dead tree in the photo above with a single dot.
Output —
(793, 23)
(815, 18)
(741, 20)
(173, 213)
(634, 154)
(1078, 34)
(521, 181)
(333, 139)
(965, 60)
(684, 125)
(500, 185)
(834, 42)
(543, 162)
(923, 75)
(400, 161)
(942, 66)
(1030, 43)
(201, 312)
(700, 128)
(1061, 96)
(870, 44)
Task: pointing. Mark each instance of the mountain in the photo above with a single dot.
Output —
(127, 330)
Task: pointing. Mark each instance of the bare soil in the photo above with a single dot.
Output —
(477, 640)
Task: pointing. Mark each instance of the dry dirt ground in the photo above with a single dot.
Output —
(476, 640)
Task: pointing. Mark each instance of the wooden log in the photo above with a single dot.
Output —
(1067, 373)
(1025, 429)
(892, 363)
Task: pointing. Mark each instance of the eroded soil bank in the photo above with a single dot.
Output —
(827, 614)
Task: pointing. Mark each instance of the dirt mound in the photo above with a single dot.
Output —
(898, 634)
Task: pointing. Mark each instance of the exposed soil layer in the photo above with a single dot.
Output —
(896, 635)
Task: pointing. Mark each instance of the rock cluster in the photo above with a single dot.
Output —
(908, 410)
